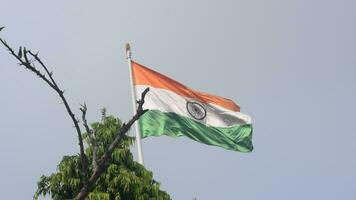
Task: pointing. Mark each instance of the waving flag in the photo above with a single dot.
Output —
(176, 110)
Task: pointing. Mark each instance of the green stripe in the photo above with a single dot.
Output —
(156, 123)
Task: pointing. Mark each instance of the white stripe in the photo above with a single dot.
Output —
(168, 101)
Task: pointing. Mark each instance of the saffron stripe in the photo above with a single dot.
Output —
(145, 76)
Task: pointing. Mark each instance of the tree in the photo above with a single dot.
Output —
(95, 178)
(124, 178)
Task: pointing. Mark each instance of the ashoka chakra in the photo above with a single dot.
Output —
(196, 110)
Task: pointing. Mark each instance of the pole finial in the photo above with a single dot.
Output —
(128, 50)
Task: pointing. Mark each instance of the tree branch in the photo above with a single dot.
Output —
(52, 83)
(99, 166)
(91, 134)
(103, 162)
(27, 64)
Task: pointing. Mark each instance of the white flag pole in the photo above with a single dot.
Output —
(134, 101)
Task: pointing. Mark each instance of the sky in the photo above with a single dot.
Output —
(289, 64)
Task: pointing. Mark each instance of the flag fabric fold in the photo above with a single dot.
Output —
(176, 110)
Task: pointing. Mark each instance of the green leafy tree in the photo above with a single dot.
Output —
(123, 179)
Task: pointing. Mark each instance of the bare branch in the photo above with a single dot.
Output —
(91, 135)
(103, 162)
(99, 166)
(51, 82)
(27, 64)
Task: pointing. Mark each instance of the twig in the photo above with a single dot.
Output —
(50, 74)
(91, 134)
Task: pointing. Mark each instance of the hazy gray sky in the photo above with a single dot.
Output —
(291, 65)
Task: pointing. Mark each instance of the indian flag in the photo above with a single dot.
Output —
(176, 110)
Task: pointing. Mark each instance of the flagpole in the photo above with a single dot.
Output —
(134, 100)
